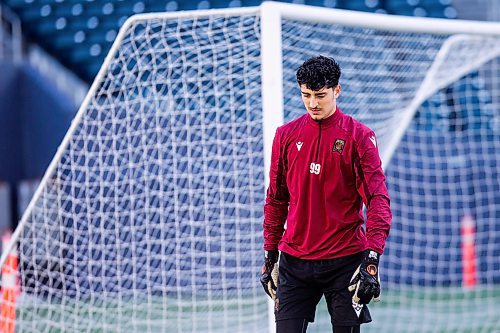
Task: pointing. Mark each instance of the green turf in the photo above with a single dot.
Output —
(453, 310)
(422, 311)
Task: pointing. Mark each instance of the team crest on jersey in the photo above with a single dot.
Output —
(338, 146)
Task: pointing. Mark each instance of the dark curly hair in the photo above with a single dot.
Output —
(318, 72)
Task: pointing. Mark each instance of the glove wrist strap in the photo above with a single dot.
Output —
(271, 255)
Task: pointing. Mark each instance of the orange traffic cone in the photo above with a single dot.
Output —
(10, 289)
(469, 267)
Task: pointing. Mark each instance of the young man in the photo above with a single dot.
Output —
(324, 166)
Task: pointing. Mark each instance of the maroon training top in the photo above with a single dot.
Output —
(321, 174)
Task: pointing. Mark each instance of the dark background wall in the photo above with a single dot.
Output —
(34, 116)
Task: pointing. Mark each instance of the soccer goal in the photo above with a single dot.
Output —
(149, 218)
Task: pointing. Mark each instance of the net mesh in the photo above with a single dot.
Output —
(152, 218)
(444, 169)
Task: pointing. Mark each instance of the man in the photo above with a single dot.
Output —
(324, 166)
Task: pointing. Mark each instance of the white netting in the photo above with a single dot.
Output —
(444, 168)
(152, 218)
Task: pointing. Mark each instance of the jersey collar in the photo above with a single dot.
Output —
(333, 119)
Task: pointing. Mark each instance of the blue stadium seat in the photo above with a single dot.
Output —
(428, 8)
(360, 5)
(70, 39)
(15, 4)
(250, 3)
(56, 23)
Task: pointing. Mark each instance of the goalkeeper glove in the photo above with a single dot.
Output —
(365, 281)
(269, 277)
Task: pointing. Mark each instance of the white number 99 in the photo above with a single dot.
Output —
(315, 168)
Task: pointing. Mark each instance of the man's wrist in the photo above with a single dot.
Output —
(374, 255)
(271, 255)
(371, 261)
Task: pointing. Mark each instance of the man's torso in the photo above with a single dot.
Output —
(324, 218)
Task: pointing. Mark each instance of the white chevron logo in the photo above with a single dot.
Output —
(299, 145)
(372, 139)
(357, 307)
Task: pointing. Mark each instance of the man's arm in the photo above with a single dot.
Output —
(370, 182)
(371, 186)
(275, 213)
(277, 199)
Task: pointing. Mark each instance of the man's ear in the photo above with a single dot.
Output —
(337, 90)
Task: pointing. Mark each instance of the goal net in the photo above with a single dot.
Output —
(149, 218)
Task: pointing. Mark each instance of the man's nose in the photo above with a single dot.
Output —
(313, 103)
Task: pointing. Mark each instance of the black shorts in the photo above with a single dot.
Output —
(302, 283)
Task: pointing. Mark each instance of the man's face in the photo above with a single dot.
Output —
(320, 104)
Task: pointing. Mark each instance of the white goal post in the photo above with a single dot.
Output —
(149, 217)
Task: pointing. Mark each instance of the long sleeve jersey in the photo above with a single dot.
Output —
(321, 174)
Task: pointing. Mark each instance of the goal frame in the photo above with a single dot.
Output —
(271, 14)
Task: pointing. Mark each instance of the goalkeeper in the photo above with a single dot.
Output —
(324, 166)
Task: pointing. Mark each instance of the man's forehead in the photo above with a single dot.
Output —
(304, 89)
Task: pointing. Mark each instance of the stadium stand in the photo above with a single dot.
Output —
(79, 33)
(34, 111)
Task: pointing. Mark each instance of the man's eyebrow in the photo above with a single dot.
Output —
(314, 93)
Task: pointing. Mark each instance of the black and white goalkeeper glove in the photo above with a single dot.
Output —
(269, 277)
(365, 281)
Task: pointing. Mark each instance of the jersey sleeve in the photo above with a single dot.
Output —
(277, 198)
(371, 186)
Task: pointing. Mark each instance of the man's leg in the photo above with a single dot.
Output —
(335, 277)
(291, 326)
(346, 329)
(296, 296)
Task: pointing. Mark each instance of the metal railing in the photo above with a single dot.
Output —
(11, 37)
